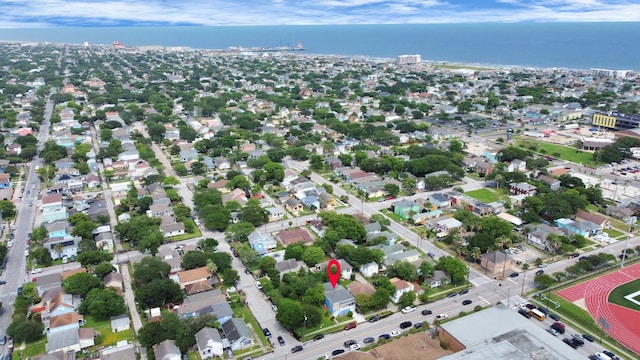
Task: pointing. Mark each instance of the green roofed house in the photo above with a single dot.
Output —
(405, 208)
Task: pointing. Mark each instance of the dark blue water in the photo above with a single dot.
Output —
(568, 45)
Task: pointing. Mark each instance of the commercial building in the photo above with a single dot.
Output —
(616, 121)
(408, 59)
(505, 334)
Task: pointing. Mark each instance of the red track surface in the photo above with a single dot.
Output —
(624, 323)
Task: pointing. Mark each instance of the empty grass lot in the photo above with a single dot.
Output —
(484, 195)
(566, 152)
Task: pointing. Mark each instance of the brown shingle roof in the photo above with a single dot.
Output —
(65, 319)
(287, 237)
(193, 275)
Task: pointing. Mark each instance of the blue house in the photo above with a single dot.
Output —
(56, 229)
(491, 155)
(338, 300)
(261, 243)
(579, 228)
(5, 183)
(439, 200)
(311, 202)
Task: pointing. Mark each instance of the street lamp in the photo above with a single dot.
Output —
(632, 221)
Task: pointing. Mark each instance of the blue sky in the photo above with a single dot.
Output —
(51, 13)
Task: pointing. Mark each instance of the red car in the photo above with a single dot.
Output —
(350, 326)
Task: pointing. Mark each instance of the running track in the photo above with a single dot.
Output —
(624, 323)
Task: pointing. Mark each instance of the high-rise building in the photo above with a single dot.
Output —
(408, 59)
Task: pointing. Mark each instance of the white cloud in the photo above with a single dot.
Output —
(41, 13)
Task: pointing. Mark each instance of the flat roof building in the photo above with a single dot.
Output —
(504, 334)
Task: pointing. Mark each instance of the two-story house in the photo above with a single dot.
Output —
(338, 300)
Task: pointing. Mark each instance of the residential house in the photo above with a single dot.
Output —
(5, 182)
(222, 163)
(522, 188)
(238, 195)
(55, 302)
(65, 321)
(67, 340)
(287, 266)
(369, 269)
(237, 333)
(484, 168)
(209, 343)
(167, 350)
(356, 288)
(338, 300)
(206, 303)
(93, 181)
(389, 237)
(68, 246)
(405, 208)
(438, 279)
(373, 228)
(554, 184)
(113, 280)
(582, 215)
(346, 270)
(174, 229)
(446, 225)
(118, 352)
(402, 287)
(491, 154)
(51, 202)
(538, 236)
(159, 210)
(287, 237)
(262, 243)
(104, 240)
(584, 228)
(317, 227)
(412, 256)
(188, 155)
(496, 262)
(516, 165)
(193, 276)
(618, 212)
(47, 282)
(53, 215)
(275, 212)
(439, 200)
(120, 323)
(294, 205)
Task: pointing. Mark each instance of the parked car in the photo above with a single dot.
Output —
(514, 274)
(552, 331)
(318, 337)
(3, 340)
(554, 317)
(296, 349)
(368, 340)
(426, 312)
(349, 343)
(452, 294)
(463, 291)
(417, 325)
(395, 333)
(2, 282)
(384, 336)
(36, 271)
(374, 319)
(588, 337)
(611, 355)
(355, 346)
(337, 352)
(467, 302)
(442, 317)
(266, 332)
(524, 313)
(405, 324)
(350, 326)
(408, 309)
(539, 272)
(281, 340)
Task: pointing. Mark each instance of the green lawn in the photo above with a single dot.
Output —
(33, 349)
(484, 195)
(618, 294)
(613, 233)
(566, 152)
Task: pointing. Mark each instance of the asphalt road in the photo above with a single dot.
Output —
(16, 273)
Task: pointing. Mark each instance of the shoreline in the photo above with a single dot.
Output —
(450, 65)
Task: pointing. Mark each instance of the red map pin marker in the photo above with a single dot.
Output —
(333, 277)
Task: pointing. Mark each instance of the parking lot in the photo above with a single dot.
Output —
(522, 257)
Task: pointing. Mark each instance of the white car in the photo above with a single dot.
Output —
(395, 333)
(408, 309)
(26, 253)
(36, 271)
(274, 308)
(9, 243)
(355, 346)
(13, 227)
(542, 265)
(442, 317)
(258, 285)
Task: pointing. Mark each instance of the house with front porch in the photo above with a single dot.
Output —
(339, 301)
(402, 287)
(538, 236)
(404, 208)
(585, 228)
(262, 243)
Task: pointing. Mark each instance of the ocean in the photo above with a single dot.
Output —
(544, 45)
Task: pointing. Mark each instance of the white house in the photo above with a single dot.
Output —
(209, 343)
(370, 269)
(402, 287)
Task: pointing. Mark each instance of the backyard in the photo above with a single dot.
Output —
(485, 195)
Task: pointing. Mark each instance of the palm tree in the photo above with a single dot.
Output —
(211, 266)
(475, 254)
(58, 249)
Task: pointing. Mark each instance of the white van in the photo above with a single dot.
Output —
(602, 356)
